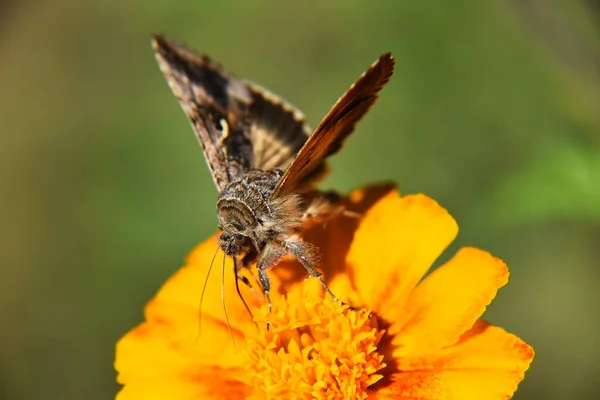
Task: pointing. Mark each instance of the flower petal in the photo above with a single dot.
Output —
(160, 349)
(183, 290)
(394, 246)
(448, 302)
(333, 238)
(141, 354)
(487, 363)
(176, 337)
(207, 383)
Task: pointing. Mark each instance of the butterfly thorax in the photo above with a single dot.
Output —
(250, 218)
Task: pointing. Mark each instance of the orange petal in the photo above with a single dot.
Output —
(394, 246)
(143, 354)
(206, 383)
(171, 340)
(335, 237)
(162, 350)
(448, 302)
(182, 292)
(487, 363)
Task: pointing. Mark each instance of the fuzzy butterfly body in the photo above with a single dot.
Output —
(263, 157)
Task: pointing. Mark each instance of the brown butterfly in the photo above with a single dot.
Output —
(263, 157)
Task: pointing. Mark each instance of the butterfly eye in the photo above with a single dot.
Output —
(237, 226)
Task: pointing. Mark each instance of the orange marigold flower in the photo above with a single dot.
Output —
(417, 338)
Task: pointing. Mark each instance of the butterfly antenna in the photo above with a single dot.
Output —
(223, 302)
(202, 294)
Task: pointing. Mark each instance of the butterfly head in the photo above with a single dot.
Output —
(234, 244)
(237, 223)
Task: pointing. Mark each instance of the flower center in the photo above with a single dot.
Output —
(315, 348)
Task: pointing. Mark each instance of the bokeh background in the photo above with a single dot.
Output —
(494, 111)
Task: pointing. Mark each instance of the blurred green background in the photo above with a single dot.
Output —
(494, 111)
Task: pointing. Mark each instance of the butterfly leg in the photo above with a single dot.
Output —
(324, 206)
(237, 265)
(306, 254)
(246, 262)
(270, 255)
(244, 279)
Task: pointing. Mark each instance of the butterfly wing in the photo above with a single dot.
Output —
(278, 130)
(239, 125)
(337, 125)
(214, 102)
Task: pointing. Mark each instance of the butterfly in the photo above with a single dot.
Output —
(264, 159)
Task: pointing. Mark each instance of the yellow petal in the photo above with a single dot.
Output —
(171, 340)
(142, 354)
(332, 239)
(181, 293)
(487, 363)
(394, 246)
(448, 302)
(205, 383)
(155, 350)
